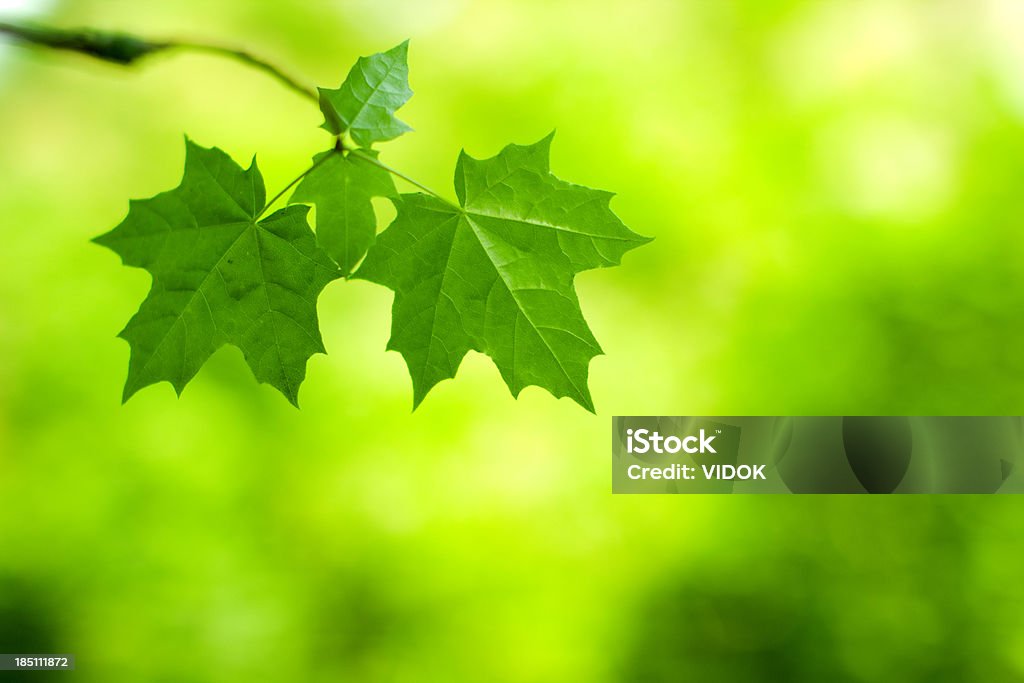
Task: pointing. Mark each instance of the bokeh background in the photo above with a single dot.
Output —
(835, 189)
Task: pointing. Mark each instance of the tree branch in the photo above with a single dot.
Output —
(125, 49)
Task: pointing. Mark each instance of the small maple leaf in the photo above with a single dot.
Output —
(364, 106)
(341, 187)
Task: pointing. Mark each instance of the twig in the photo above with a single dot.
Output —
(126, 49)
(122, 48)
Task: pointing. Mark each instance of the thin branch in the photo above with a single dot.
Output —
(251, 60)
(119, 48)
(122, 48)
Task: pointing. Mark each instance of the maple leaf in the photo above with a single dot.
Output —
(221, 275)
(341, 186)
(495, 274)
(364, 106)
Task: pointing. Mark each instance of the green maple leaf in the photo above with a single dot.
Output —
(495, 274)
(341, 186)
(221, 275)
(364, 106)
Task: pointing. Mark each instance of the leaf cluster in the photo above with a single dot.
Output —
(492, 272)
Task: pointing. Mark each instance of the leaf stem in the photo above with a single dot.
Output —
(398, 174)
(292, 184)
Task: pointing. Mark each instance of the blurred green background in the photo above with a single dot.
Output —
(835, 191)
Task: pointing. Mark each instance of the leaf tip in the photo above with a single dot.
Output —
(585, 400)
(419, 392)
(401, 50)
(101, 240)
(130, 389)
(193, 147)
